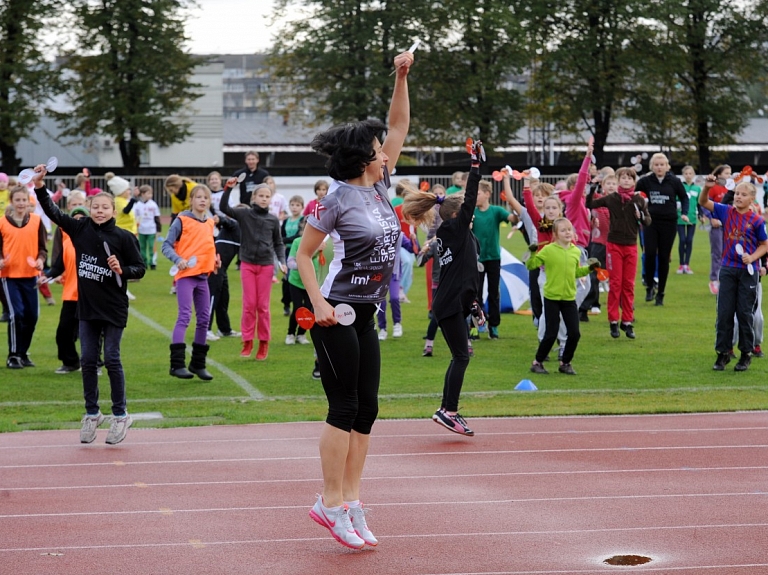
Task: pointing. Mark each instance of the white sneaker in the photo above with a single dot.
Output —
(173, 290)
(382, 334)
(290, 339)
(357, 516)
(397, 330)
(90, 424)
(131, 297)
(118, 428)
(595, 310)
(302, 339)
(338, 523)
(232, 333)
(210, 336)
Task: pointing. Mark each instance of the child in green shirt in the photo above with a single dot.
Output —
(561, 266)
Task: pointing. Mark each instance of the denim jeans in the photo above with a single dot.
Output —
(90, 333)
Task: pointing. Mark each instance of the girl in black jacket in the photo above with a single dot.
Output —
(457, 290)
(106, 258)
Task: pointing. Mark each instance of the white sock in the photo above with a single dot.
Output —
(352, 504)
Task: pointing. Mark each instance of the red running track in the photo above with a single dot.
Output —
(533, 496)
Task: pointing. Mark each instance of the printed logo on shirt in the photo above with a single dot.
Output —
(364, 280)
(658, 197)
(87, 268)
(318, 209)
(385, 248)
(446, 258)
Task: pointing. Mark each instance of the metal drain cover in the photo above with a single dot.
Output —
(627, 560)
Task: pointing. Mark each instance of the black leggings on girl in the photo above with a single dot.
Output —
(454, 330)
(553, 309)
(350, 362)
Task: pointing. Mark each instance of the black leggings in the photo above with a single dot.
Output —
(299, 298)
(350, 367)
(553, 309)
(658, 239)
(454, 330)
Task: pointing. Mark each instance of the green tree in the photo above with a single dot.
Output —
(27, 78)
(133, 75)
(701, 58)
(583, 51)
(339, 53)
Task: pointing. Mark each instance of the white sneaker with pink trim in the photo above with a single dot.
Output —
(337, 521)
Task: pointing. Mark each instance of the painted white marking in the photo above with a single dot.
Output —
(442, 476)
(388, 455)
(252, 392)
(409, 504)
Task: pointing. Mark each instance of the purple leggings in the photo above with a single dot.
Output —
(394, 299)
(192, 290)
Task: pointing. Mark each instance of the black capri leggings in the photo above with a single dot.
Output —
(350, 368)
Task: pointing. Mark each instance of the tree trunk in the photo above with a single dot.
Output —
(602, 120)
(702, 143)
(10, 163)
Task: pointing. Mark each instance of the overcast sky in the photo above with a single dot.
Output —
(230, 27)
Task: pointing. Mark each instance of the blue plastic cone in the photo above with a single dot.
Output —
(526, 385)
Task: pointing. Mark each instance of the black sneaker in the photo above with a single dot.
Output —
(629, 330)
(567, 369)
(659, 299)
(650, 293)
(583, 317)
(536, 367)
(14, 362)
(723, 359)
(743, 363)
(615, 330)
(26, 362)
(316, 371)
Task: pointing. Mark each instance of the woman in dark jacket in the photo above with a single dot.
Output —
(663, 190)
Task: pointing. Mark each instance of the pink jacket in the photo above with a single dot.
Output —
(576, 207)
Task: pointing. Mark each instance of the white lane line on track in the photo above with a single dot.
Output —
(409, 536)
(252, 392)
(410, 504)
(409, 436)
(389, 455)
(634, 569)
(443, 476)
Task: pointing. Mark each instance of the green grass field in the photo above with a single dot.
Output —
(668, 368)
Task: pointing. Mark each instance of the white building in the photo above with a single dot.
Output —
(203, 147)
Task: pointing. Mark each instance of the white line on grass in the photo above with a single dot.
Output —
(252, 392)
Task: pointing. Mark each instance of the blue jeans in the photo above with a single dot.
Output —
(23, 310)
(90, 334)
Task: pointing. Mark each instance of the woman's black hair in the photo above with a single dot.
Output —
(349, 147)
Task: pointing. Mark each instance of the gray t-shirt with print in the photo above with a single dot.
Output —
(366, 239)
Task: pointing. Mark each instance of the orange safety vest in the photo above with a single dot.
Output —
(18, 245)
(69, 277)
(196, 240)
